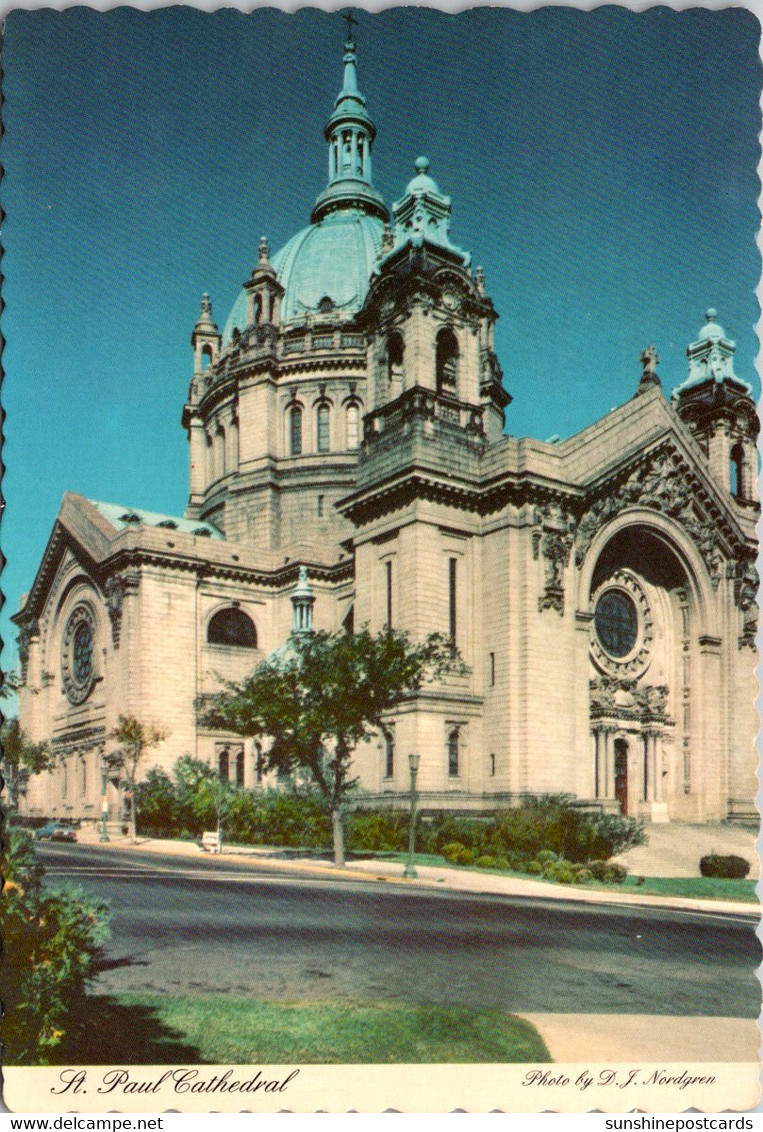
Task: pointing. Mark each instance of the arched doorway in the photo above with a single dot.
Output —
(621, 775)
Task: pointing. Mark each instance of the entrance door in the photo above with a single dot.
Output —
(621, 775)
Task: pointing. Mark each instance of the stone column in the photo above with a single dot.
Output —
(609, 764)
(749, 484)
(647, 769)
(197, 458)
(231, 442)
(657, 767)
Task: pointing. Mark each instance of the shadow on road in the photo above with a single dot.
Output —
(112, 1033)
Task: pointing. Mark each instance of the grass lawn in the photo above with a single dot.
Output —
(245, 1031)
(705, 888)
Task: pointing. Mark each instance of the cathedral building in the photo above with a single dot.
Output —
(349, 465)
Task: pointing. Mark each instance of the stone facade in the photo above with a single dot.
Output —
(348, 426)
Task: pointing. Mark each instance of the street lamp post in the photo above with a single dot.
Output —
(410, 869)
(104, 805)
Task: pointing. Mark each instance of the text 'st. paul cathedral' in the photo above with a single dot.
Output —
(349, 466)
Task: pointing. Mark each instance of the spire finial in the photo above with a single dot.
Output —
(350, 134)
(649, 376)
(348, 16)
(264, 249)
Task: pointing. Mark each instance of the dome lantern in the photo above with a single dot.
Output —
(350, 134)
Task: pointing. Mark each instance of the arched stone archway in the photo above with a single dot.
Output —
(648, 611)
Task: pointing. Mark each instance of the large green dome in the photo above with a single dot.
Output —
(330, 260)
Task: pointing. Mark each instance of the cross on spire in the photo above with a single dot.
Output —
(348, 16)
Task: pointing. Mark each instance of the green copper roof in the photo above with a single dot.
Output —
(123, 517)
(331, 259)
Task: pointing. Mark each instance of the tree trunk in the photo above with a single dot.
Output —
(133, 823)
(338, 827)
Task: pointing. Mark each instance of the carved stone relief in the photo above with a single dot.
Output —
(623, 699)
(114, 592)
(664, 487)
(555, 545)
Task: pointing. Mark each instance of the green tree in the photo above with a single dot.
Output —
(134, 738)
(20, 759)
(189, 774)
(156, 803)
(10, 683)
(317, 699)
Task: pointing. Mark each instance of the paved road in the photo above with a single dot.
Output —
(215, 926)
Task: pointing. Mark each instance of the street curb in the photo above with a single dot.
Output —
(526, 889)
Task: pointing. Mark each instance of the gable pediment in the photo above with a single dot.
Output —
(660, 466)
(79, 541)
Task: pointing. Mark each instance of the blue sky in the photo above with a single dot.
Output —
(602, 169)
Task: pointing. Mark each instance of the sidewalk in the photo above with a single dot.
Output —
(464, 880)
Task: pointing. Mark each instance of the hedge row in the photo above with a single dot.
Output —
(545, 863)
(299, 818)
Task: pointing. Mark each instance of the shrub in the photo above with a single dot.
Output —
(582, 876)
(465, 857)
(157, 805)
(608, 872)
(50, 941)
(517, 861)
(728, 867)
(378, 830)
(534, 868)
(486, 862)
(451, 851)
(546, 856)
(503, 863)
(445, 830)
(560, 871)
(553, 822)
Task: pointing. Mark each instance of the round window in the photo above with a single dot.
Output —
(78, 654)
(616, 623)
(82, 653)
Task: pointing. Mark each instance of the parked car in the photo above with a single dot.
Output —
(54, 831)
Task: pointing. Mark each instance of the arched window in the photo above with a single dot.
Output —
(206, 356)
(232, 627)
(219, 452)
(447, 362)
(240, 768)
(453, 753)
(223, 763)
(324, 421)
(83, 777)
(736, 482)
(258, 309)
(492, 766)
(295, 431)
(389, 754)
(395, 352)
(353, 426)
